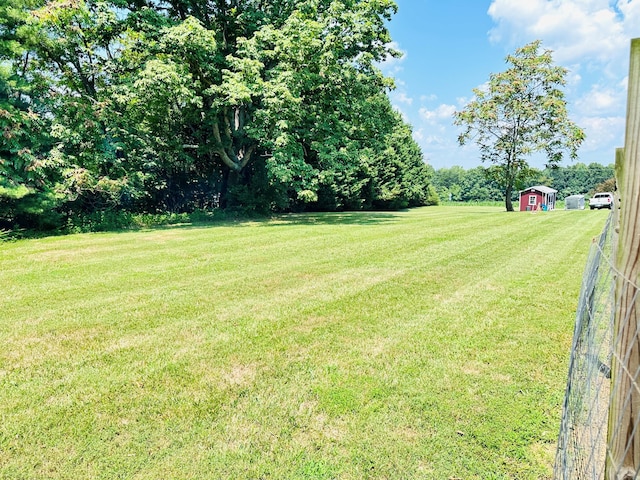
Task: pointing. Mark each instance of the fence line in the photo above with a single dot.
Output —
(581, 449)
(600, 427)
(623, 453)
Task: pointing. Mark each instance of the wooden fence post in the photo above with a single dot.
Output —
(623, 437)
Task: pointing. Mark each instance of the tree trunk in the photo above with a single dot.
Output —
(229, 179)
(224, 188)
(507, 198)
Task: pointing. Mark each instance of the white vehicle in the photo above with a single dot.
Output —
(601, 200)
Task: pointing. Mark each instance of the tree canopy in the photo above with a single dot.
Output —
(149, 106)
(521, 111)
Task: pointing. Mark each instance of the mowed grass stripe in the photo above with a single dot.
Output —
(423, 344)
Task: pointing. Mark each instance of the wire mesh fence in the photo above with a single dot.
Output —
(582, 442)
(600, 428)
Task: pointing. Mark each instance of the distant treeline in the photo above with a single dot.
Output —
(460, 185)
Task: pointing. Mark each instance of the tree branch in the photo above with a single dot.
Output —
(220, 150)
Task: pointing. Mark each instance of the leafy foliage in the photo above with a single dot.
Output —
(25, 194)
(187, 104)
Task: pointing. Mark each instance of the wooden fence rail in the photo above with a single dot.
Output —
(623, 456)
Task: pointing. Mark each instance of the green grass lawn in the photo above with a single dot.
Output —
(431, 344)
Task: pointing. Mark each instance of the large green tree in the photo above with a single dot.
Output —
(519, 112)
(183, 104)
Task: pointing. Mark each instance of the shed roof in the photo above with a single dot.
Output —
(541, 189)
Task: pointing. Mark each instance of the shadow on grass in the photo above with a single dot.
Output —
(281, 220)
(288, 219)
(316, 218)
(333, 218)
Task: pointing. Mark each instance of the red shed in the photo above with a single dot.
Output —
(539, 197)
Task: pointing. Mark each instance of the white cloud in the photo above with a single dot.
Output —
(401, 97)
(601, 100)
(624, 83)
(392, 65)
(576, 30)
(428, 98)
(441, 112)
(630, 10)
(602, 131)
(435, 140)
(573, 76)
(462, 101)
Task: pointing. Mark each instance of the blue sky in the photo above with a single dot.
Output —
(450, 47)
